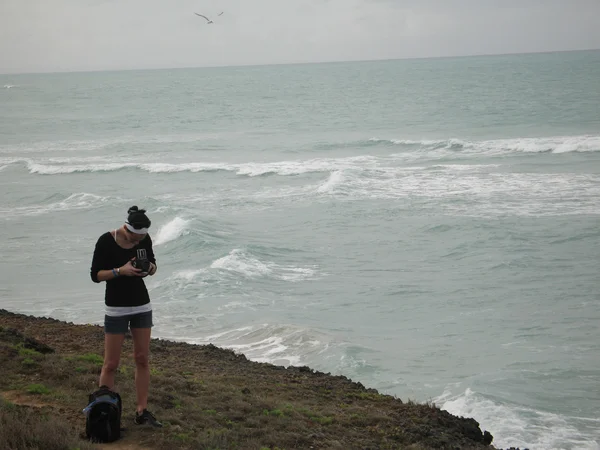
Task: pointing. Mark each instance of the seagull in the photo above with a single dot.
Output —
(208, 21)
(220, 14)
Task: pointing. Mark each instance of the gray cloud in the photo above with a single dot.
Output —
(37, 35)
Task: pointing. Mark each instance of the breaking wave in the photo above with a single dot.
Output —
(80, 200)
(518, 426)
(245, 264)
(171, 231)
(412, 151)
(558, 144)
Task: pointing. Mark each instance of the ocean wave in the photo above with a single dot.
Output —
(557, 144)
(193, 167)
(416, 150)
(231, 269)
(7, 161)
(517, 426)
(281, 168)
(255, 169)
(274, 344)
(251, 169)
(481, 191)
(45, 169)
(286, 345)
(244, 263)
(336, 178)
(171, 230)
(80, 200)
(475, 190)
(278, 344)
(95, 145)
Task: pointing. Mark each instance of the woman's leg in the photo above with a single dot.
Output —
(141, 351)
(112, 355)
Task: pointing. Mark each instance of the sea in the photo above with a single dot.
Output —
(429, 228)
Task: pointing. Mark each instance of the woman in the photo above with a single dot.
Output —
(116, 256)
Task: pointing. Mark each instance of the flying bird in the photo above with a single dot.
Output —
(220, 14)
(208, 21)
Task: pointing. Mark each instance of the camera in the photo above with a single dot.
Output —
(141, 261)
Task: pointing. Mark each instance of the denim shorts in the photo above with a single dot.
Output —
(120, 324)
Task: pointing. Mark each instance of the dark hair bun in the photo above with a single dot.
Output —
(137, 218)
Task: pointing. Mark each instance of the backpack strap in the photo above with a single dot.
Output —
(104, 390)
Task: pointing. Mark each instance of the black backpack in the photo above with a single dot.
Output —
(103, 416)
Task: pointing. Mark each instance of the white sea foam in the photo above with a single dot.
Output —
(162, 209)
(299, 167)
(276, 344)
(185, 167)
(183, 283)
(47, 169)
(236, 264)
(90, 146)
(188, 275)
(245, 264)
(518, 426)
(7, 161)
(563, 144)
(57, 166)
(171, 230)
(81, 200)
(556, 144)
(480, 189)
(476, 190)
(335, 178)
(238, 305)
(238, 261)
(428, 149)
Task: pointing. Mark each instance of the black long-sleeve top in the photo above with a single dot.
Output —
(123, 290)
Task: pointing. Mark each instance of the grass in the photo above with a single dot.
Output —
(27, 352)
(91, 358)
(23, 429)
(210, 398)
(37, 389)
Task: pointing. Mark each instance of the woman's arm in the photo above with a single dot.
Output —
(98, 261)
(106, 275)
(101, 261)
(151, 256)
(126, 270)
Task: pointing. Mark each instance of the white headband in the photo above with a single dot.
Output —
(136, 230)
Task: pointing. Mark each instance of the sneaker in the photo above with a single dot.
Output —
(147, 418)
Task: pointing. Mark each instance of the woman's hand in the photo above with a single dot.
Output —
(129, 271)
(151, 271)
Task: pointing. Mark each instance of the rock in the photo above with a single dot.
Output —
(487, 438)
(12, 336)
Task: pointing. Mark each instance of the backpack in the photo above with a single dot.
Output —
(103, 416)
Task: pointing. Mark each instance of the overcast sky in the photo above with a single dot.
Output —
(69, 35)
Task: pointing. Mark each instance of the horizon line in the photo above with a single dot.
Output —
(218, 66)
